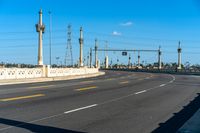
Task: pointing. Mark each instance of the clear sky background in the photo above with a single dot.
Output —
(125, 24)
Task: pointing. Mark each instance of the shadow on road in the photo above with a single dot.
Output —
(35, 128)
(177, 121)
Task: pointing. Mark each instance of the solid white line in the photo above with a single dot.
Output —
(86, 107)
(140, 92)
(162, 85)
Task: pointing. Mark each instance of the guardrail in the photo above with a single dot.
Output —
(169, 71)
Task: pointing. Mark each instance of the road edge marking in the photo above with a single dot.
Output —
(82, 108)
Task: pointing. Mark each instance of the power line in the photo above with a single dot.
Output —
(108, 35)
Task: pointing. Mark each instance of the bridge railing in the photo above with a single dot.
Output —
(170, 71)
(41, 72)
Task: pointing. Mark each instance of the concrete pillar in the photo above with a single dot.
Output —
(81, 48)
(98, 64)
(40, 29)
(179, 56)
(90, 57)
(159, 59)
(47, 71)
(106, 62)
(96, 56)
(44, 70)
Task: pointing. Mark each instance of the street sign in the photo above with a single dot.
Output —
(124, 53)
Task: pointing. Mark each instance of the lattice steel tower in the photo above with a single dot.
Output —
(68, 55)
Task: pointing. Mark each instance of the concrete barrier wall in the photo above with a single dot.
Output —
(22, 73)
(56, 72)
(168, 71)
(19, 73)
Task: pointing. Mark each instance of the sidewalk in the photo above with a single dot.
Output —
(33, 80)
(192, 125)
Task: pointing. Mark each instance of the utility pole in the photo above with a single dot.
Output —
(68, 54)
(96, 56)
(179, 56)
(40, 29)
(50, 28)
(81, 48)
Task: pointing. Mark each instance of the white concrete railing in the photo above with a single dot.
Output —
(56, 72)
(19, 73)
(22, 73)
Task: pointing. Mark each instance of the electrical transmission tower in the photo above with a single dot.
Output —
(68, 55)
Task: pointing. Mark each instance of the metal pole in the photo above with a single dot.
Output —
(138, 59)
(129, 61)
(90, 57)
(106, 62)
(96, 56)
(159, 58)
(50, 28)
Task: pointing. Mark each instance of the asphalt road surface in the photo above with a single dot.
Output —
(118, 102)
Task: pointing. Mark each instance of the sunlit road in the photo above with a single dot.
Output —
(118, 102)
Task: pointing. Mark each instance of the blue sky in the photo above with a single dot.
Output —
(130, 24)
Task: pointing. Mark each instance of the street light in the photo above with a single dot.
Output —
(50, 27)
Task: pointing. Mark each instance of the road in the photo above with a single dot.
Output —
(118, 102)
